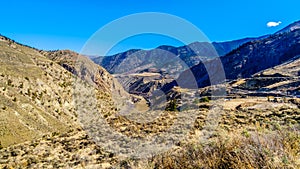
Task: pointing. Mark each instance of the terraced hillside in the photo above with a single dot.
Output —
(281, 80)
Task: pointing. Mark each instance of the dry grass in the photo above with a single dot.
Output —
(36, 98)
(267, 149)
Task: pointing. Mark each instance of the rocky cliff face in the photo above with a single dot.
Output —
(87, 70)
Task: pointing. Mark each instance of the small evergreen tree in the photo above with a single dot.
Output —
(172, 106)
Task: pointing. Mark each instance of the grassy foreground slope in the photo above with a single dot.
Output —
(37, 91)
(35, 95)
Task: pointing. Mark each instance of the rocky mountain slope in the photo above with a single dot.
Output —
(35, 94)
(137, 60)
(282, 80)
(290, 28)
(167, 61)
(162, 58)
(252, 57)
(38, 90)
(224, 48)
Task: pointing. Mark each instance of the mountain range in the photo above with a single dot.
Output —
(240, 59)
(138, 60)
(254, 56)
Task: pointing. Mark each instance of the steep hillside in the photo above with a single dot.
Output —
(251, 58)
(35, 95)
(87, 70)
(224, 48)
(290, 68)
(38, 91)
(289, 28)
(281, 80)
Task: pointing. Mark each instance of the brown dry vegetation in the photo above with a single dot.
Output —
(264, 149)
(39, 125)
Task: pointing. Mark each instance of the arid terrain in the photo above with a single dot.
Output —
(59, 109)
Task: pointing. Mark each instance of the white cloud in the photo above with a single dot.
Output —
(273, 24)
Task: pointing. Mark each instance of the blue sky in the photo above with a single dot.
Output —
(57, 24)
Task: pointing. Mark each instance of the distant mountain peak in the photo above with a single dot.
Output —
(290, 28)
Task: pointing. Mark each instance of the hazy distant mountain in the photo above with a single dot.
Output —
(137, 60)
(167, 61)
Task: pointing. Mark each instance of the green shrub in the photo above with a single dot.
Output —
(204, 99)
(172, 106)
